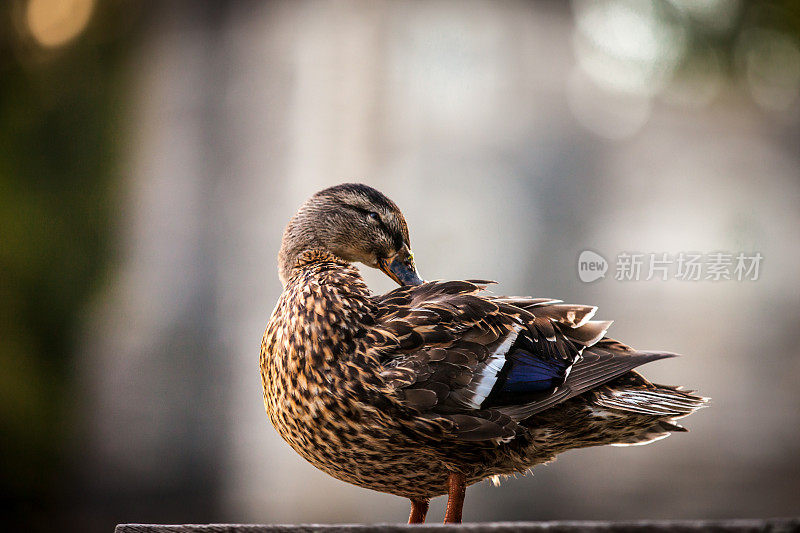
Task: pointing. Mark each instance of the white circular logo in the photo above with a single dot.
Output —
(591, 266)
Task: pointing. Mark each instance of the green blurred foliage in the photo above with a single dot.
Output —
(60, 114)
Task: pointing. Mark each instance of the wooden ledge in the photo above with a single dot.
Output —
(772, 525)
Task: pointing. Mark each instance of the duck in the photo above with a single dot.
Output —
(437, 385)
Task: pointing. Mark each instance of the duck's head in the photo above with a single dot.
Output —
(356, 223)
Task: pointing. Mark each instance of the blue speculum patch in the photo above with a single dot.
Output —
(529, 373)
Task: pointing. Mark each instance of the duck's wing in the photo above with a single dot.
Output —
(484, 363)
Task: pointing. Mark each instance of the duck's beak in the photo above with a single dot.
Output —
(401, 268)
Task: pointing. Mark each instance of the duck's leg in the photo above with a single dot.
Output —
(457, 487)
(419, 508)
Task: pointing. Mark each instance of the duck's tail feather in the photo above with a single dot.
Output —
(650, 399)
(642, 401)
(661, 429)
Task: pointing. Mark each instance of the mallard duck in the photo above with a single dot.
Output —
(436, 385)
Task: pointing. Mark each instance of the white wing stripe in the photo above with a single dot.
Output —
(495, 363)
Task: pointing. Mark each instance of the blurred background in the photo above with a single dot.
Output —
(152, 152)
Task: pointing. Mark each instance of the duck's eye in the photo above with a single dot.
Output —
(372, 215)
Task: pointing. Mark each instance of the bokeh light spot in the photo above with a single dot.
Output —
(55, 22)
(770, 63)
(627, 46)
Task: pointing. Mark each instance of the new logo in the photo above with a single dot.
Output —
(591, 266)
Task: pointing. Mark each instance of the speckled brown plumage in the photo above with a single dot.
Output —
(399, 392)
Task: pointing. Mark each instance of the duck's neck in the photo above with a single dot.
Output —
(293, 246)
(312, 345)
(331, 298)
